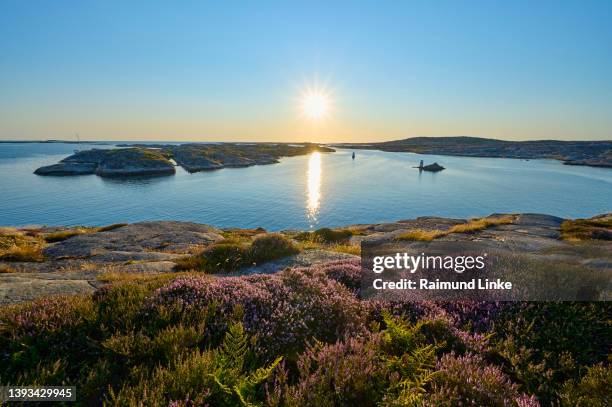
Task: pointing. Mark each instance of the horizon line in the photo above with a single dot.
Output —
(136, 141)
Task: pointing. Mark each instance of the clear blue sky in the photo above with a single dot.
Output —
(235, 71)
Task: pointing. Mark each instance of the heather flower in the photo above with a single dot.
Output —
(284, 310)
(345, 373)
(346, 272)
(469, 380)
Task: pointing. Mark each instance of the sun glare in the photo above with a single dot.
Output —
(313, 177)
(315, 104)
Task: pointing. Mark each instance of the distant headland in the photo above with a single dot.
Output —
(590, 153)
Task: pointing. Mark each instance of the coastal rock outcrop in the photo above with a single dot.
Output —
(591, 153)
(134, 161)
(68, 168)
(137, 241)
(112, 163)
(79, 263)
(203, 157)
(144, 160)
(435, 167)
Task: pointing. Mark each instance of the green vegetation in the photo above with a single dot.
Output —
(592, 390)
(599, 228)
(473, 225)
(230, 255)
(302, 337)
(421, 235)
(65, 234)
(111, 227)
(20, 246)
(326, 235)
(62, 235)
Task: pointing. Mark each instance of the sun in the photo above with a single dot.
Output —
(315, 104)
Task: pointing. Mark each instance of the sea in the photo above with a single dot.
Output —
(304, 192)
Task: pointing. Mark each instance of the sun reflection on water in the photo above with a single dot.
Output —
(314, 186)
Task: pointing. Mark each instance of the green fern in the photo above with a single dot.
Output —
(234, 349)
(400, 335)
(411, 358)
(246, 386)
(237, 383)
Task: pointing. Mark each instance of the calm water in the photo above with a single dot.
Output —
(300, 192)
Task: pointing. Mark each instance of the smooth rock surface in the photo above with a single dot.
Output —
(163, 236)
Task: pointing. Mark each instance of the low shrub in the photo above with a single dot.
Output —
(469, 380)
(227, 255)
(547, 344)
(35, 336)
(592, 390)
(283, 310)
(326, 235)
(272, 246)
(349, 373)
(193, 339)
(224, 376)
(346, 272)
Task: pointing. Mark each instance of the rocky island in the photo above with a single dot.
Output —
(590, 153)
(435, 167)
(112, 163)
(145, 160)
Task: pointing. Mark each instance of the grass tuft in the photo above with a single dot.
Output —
(475, 225)
(63, 235)
(345, 248)
(598, 228)
(472, 226)
(4, 269)
(421, 235)
(111, 227)
(22, 254)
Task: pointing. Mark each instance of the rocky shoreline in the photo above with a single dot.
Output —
(40, 261)
(147, 160)
(589, 153)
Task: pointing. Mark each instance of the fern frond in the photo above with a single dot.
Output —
(234, 347)
(263, 373)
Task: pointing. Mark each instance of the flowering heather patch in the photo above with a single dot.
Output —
(283, 310)
(346, 272)
(49, 329)
(173, 339)
(478, 315)
(468, 380)
(346, 373)
(51, 314)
